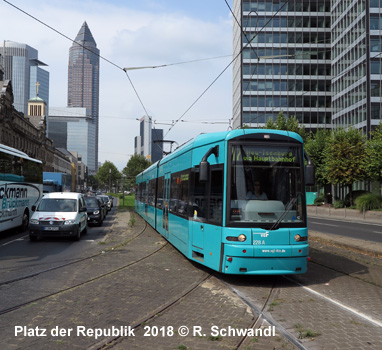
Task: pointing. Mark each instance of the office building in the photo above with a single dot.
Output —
(73, 129)
(149, 143)
(23, 68)
(356, 64)
(83, 88)
(283, 63)
(317, 60)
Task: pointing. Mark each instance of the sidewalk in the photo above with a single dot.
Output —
(374, 217)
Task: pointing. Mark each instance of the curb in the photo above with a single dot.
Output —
(356, 245)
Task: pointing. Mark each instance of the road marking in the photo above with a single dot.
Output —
(344, 220)
(377, 231)
(335, 302)
(320, 223)
(15, 240)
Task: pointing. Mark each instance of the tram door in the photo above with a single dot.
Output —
(166, 202)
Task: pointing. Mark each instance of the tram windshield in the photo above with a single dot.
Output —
(266, 188)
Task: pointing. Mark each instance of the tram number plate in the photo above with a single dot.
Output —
(51, 228)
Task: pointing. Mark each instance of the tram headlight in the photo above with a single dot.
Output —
(298, 238)
(242, 238)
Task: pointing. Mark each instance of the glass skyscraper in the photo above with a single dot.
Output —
(74, 130)
(22, 67)
(356, 63)
(285, 62)
(319, 60)
(83, 83)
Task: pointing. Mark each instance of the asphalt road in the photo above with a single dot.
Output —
(366, 231)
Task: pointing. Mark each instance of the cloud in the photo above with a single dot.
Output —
(129, 37)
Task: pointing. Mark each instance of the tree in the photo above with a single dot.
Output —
(374, 151)
(92, 182)
(135, 165)
(315, 147)
(107, 174)
(346, 158)
(288, 124)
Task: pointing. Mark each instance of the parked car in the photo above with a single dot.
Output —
(105, 199)
(59, 214)
(111, 199)
(95, 209)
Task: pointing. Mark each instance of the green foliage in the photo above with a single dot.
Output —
(93, 182)
(288, 124)
(368, 201)
(315, 147)
(135, 165)
(107, 173)
(374, 151)
(345, 158)
(338, 203)
(319, 200)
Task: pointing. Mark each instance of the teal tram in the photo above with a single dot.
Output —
(233, 201)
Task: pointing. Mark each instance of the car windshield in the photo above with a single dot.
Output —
(91, 202)
(266, 185)
(58, 204)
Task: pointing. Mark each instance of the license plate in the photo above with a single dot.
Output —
(51, 228)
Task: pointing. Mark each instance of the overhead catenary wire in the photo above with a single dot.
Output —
(233, 60)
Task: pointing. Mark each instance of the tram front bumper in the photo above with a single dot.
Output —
(265, 260)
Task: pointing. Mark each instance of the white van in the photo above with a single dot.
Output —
(59, 214)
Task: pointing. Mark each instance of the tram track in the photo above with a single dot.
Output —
(261, 315)
(112, 341)
(75, 261)
(130, 264)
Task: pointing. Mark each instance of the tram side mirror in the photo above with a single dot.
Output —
(310, 177)
(204, 166)
(204, 171)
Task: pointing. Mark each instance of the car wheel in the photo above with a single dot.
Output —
(86, 228)
(78, 235)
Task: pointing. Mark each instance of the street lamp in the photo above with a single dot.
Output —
(109, 180)
(123, 189)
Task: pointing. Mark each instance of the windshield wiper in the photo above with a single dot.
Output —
(289, 206)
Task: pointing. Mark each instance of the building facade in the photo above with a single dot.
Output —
(22, 67)
(83, 86)
(73, 129)
(356, 64)
(27, 133)
(283, 63)
(149, 143)
(317, 60)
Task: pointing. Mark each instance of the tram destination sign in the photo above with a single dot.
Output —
(268, 155)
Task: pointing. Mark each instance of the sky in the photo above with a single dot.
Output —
(131, 33)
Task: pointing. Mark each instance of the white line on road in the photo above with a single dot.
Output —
(15, 240)
(320, 223)
(354, 311)
(377, 231)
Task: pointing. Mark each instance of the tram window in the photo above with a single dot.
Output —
(216, 197)
(144, 192)
(180, 193)
(160, 193)
(199, 203)
(151, 192)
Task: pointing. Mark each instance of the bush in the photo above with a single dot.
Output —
(369, 201)
(355, 194)
(319, 200)
(338, 203)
